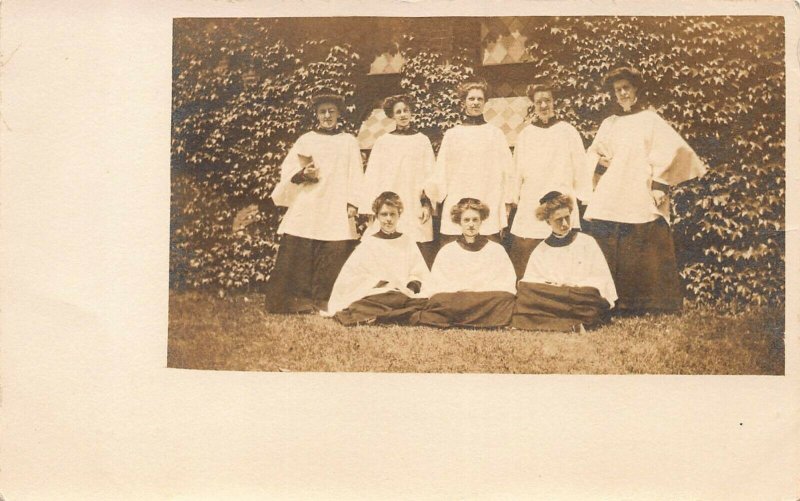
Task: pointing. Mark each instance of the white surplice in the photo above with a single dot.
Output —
(643, 148)
(319, 210)
(486, 270)
(474, 161)
(547, 159)
(396, 261)
(401, 164)
(578, 264)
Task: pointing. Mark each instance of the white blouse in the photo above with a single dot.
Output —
(402, 164)
(474, 162)
(643, 148)
(319, 210)
(396, 261)
(545, 160)
(457, 269)
(578, 264)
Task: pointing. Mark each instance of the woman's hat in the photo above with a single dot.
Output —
(623, 73)
(328, 98)
(552, 195)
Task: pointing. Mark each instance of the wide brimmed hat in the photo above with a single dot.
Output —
(623, 73)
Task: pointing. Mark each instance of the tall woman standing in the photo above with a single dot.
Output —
(474, 161)
(320, 183)
(636, 156)
(401, 161)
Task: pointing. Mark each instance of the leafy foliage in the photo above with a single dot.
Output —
(241, 90)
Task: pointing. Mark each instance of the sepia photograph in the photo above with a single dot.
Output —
(399, 249)
(533, 195)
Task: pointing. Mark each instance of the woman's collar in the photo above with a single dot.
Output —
(635, 108)
(472, 120)
(544, 125)
(407, 131)
(478, 244)
(385, 236)
(329, 132)
(555, 241)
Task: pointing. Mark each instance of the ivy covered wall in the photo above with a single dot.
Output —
(241, 89)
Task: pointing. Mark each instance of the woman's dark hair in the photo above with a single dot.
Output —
(541, 87)
(390, 102)
(466, 204)
(552, 202)
(389, 198)
(469, 85)
(327, 98)
(623, 73)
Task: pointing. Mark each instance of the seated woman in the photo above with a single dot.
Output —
(472, 281)
(567, 284)
(381, 280)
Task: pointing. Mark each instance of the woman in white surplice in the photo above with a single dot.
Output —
(472, 282)
(567, 284)
(320, 183)
(549, 156)
(474, 161)
(401, 161)
(636, 156)
(382, 278)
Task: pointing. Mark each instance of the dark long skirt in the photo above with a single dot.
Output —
(466, 309)
(385, 308)
(543, 307)
(428, 251)
(304, 274)
(520, 252)
(642, 262)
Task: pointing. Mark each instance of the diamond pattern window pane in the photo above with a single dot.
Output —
(376, 125)
(508, 113)
(503, 40)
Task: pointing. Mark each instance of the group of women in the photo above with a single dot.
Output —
(555, 276)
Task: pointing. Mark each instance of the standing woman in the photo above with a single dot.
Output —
(472, 282)
(401, 161)
(636, 157)
(474, 161)
(320, 183)
(549, 156)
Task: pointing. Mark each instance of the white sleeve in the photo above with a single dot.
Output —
(581, 178)
(355, 175)
(672, 160)
(372, 177)
(436, 186)
(284, 192)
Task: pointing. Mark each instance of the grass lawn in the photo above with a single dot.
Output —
(206, 332)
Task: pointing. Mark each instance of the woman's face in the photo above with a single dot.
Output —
(559, 221)
(387, 218)
(327, 115)
(625, 93)
(401, 114)
(543, 105)
(474, 103)
(471, 223)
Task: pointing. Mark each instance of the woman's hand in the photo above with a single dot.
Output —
(425, 214)
(352, 211)
(311, 173)
(658, 197)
